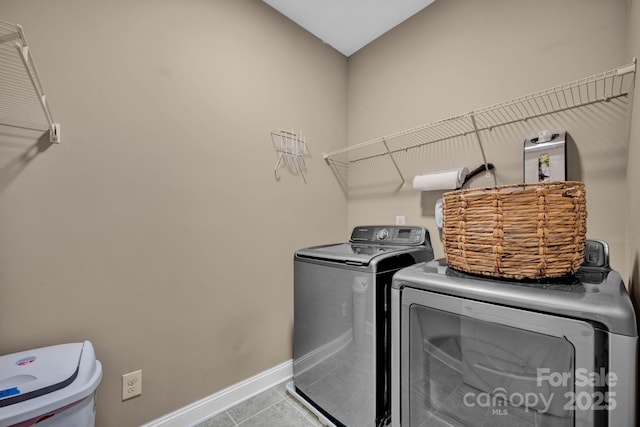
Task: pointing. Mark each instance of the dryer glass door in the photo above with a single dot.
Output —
(467, 363)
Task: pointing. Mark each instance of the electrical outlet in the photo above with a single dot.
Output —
(131, 385)
(400, 219)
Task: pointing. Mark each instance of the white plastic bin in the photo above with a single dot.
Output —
(50, 386)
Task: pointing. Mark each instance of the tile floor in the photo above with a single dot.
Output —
(437, 399)
(276, 408)
(271, 408)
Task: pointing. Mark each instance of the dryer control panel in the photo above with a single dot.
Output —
(390, 235)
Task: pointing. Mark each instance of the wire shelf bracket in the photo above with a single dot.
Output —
(23, 102)
(602, 87)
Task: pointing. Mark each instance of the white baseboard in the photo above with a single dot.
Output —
(224, 399)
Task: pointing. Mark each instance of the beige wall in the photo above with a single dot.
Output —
(156, 229)
(456, 56)
(633, 172)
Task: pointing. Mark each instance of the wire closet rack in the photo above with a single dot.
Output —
(292, 149)
(600, 87)
(23, 103)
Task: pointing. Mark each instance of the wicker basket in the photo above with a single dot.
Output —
(531, 231)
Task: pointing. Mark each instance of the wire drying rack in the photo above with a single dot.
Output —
(23, 103)
(602, 87)
(291, 149)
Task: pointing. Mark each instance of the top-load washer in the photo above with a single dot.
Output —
(481, 352)
(341, 341)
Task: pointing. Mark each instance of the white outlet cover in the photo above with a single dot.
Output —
(131, 385)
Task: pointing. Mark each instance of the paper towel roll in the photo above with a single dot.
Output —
(445, 180)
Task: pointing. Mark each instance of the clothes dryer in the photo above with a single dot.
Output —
(472, 351)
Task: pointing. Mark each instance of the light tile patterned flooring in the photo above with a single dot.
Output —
(271, 408)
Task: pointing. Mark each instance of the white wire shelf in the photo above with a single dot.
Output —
(22, 99)
(601, 87)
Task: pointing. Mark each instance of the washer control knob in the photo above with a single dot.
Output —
(382, 234)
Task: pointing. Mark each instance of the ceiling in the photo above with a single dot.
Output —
(348, 25)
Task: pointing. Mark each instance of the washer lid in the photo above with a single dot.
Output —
(29, 374)
(348, 253)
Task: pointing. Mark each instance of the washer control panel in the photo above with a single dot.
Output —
(389, 235)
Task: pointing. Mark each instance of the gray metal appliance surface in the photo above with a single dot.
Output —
(473, 351)
(341, 342)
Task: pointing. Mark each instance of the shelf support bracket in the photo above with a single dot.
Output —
(386, 147)
(629, 68)
(29, 66)
(484, 157)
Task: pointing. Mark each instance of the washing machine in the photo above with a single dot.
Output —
(341, 341)
(472, 351)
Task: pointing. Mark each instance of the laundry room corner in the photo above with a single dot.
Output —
(194, 195)
(441, 73)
